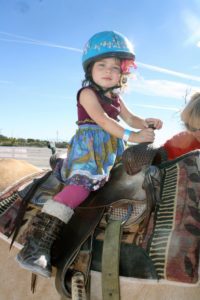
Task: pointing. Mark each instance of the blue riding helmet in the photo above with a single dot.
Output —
(107, 44)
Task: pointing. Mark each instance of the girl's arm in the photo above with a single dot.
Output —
(91, 104)
(135, 121)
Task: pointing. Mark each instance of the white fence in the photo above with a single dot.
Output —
(34, 155)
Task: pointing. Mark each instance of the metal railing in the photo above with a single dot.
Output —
(37, 156)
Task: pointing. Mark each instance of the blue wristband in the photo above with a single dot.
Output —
(126, 134)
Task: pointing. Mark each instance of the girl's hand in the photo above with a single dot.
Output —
(142, 136)
(157, 123)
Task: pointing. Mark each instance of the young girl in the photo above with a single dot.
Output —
(97, 145)
(189, 139)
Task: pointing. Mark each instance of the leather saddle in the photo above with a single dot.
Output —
(83, 237)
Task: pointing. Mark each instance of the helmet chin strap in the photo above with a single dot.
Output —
(99, 88)
(102, 92)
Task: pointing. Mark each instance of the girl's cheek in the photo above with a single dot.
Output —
(197, 135)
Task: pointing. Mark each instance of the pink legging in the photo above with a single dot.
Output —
(72, 195)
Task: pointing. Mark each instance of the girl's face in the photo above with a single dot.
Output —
(107, 72)
(196, 135)
(194, 131)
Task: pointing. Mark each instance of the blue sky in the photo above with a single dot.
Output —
(41, 45)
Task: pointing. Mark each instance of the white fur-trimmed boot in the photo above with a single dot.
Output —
(47, 225)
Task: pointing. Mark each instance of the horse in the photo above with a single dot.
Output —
(130, 287)
(15, 282)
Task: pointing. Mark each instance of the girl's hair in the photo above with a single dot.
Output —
(89, 81)
(88, 75)
(191, 113)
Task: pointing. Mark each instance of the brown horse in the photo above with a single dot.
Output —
(15, 282)
(12, 170)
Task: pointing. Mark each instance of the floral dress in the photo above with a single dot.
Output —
(92, 151)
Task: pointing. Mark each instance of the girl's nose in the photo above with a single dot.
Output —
(108, 70)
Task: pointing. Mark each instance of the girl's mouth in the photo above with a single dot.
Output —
(107, 78)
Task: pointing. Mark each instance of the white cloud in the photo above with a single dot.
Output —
(196, 67)
(198, 44)
(170, 72)
(162, 88)
(14, 38)
(192, 22)
(157, 107)
(5, 82)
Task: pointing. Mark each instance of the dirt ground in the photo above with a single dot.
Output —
(15, 283)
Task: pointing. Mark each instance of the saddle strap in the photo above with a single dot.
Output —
(75, 234)
(110, 261)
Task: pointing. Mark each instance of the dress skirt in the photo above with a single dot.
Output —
(91, 155)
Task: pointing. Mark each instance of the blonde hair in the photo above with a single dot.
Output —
(191, 113)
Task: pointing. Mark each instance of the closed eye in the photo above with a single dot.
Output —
(101, 64)
(116, 69)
